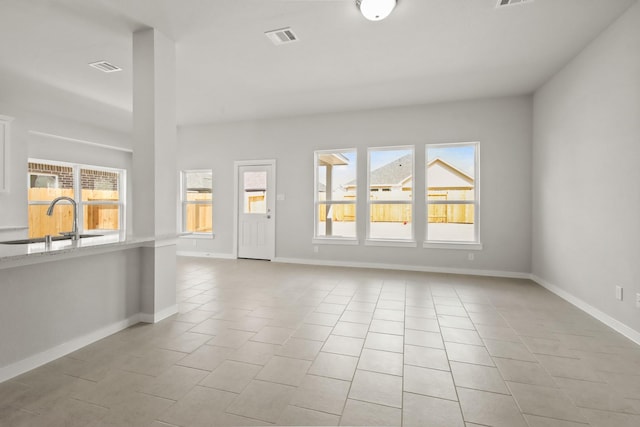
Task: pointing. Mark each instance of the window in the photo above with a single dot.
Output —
(255, 192)
(98, 192)
(452, 193)
(390, 201)
(335, 194)
(197, 201)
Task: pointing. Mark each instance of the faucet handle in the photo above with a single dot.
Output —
(72, 234)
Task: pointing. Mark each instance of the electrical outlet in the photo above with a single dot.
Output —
(619, 293)
(638, 300)
(315, 249)
(471, 256)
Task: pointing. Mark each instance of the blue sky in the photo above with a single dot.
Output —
(382, 157)
(460, 156)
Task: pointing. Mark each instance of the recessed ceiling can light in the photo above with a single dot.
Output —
(376, 10)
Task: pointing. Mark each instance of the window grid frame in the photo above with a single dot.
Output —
(395, 241)
(184, 203)
(454, 244)
(318, 239)
(77, 192)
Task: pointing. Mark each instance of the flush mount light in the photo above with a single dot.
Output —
(376, 10)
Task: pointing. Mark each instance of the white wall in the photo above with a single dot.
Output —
(503, 127)
(586, 171)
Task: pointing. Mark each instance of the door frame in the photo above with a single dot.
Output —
(236, 200)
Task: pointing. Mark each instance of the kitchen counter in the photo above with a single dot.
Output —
(96, 287)
(35, 253)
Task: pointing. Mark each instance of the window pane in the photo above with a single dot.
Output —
(101, 217)
(197, 208)
(451, 172)
(390, 221)
(198, 185)
(40, 224)
(336, 220)
(336, 170)
(98, 185)
(391, 174)
(255, 192)
(46, 181)
(199, 217)
(451, 222)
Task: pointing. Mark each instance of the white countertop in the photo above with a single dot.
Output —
(33, 253)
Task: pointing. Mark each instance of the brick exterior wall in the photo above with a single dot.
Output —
(98, 180)
(64, 173)
(89, 179)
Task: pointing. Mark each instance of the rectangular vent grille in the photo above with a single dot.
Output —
(502, 3)
(281, 36)
(105, 66)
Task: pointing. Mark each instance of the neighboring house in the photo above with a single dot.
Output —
(394, 181)
(441, 176)
(446, 182)
(394, 177)
(444, 177)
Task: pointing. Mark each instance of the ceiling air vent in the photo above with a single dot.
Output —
(502, 3)
(105, 66)
(281, 36)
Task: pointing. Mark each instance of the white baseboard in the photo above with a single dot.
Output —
(161, 315)
(333, 263)
(614, 324)
(32, 362)
(426, 269)
(197, 254)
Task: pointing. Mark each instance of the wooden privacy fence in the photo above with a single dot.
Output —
(96, 217)
(390, 213)
(199, 216)
(454, 214)
(345, 213)
(101, 217)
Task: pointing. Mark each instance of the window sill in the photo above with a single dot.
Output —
(391, 243)
(453, 245)
(197, 235)
(334, 241)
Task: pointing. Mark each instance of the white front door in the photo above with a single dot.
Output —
(256, 210)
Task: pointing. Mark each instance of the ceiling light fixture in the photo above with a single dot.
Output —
(376, 10)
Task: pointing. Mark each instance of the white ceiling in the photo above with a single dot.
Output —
(427, 51)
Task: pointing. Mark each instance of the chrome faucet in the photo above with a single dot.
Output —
(74, 232)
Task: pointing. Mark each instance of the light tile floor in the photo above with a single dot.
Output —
(260, 343)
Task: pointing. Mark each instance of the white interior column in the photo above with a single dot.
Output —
(154, 180)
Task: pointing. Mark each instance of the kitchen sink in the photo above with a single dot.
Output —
(41, 239)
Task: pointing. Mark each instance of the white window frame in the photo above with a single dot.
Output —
(316, 203)
(77, 193)
(184, 203)
(410, 242)
(447, 244)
